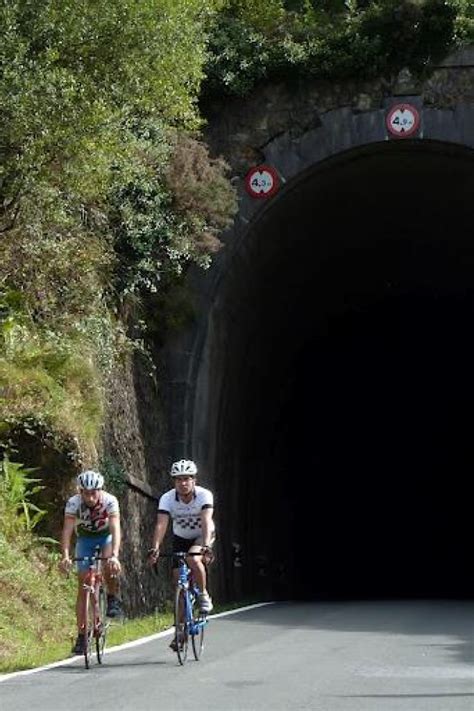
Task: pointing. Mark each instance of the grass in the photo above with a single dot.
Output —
(30, 617)
(129, 630)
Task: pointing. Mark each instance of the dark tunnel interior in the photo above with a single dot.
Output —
(344, 411)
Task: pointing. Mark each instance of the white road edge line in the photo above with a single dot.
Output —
(126, 645)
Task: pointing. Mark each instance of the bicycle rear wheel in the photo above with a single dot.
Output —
(101, 633)
(180, 625)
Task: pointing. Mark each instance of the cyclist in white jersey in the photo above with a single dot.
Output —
(95, 516)
(190, 508)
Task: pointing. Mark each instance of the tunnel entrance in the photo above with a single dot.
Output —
(342, 344)
(388, 419)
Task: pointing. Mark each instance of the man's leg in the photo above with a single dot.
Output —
(200, 575)
(114, 608)
(81, 601)
(197, 566)
(82, 549)
(78, 647)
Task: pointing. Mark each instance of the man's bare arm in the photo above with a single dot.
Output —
(160, 530)
(66, 535)
(207, 526)
(115, 530)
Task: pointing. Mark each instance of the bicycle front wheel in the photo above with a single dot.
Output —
(101, 627)
(198, 631)
(88, 631)
(180, 625)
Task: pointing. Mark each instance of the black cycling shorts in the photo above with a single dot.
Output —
(182, 545)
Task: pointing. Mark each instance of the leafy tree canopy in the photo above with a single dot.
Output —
(331, 39)
(97, 100)
(72, 74)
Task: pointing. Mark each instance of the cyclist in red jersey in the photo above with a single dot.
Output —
(95, 517)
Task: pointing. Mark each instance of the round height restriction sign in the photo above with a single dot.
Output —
(403, 120)
(262, 181)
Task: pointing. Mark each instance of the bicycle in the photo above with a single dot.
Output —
(95, 606)
(189, 621)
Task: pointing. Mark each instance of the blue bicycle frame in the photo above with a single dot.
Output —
(189, 621)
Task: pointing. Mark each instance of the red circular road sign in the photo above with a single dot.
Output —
(403, 120)
(262, 181)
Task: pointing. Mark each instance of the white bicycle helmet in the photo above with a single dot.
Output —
(184, 467)
(90, 480)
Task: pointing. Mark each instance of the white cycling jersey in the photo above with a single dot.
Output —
(92, 521)
(186, 518)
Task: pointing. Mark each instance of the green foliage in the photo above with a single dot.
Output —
(114, 475)
(46, 375)
(95, 98)
(18, 513)
(332, 39)
(170, 211)
(74, 79)
(464, 21)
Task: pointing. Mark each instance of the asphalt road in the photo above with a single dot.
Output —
(339, 656)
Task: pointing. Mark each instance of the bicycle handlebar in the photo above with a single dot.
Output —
(179, 554)
(91, 557)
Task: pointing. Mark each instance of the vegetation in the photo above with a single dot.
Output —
(17, 510)
(99, 118)
(30, 585)
(36, 604)
(331, 39)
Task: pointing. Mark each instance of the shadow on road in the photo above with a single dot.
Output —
(414, 618)
(107, 666)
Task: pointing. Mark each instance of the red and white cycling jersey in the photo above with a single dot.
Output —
(92, 521)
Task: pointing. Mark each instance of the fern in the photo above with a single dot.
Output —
(17, 488)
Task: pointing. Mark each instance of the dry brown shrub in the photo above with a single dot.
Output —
(202, 191)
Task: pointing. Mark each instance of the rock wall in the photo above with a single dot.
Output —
(135, 446)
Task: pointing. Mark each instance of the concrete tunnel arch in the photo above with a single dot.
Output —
(335, 326)
(340, 344)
